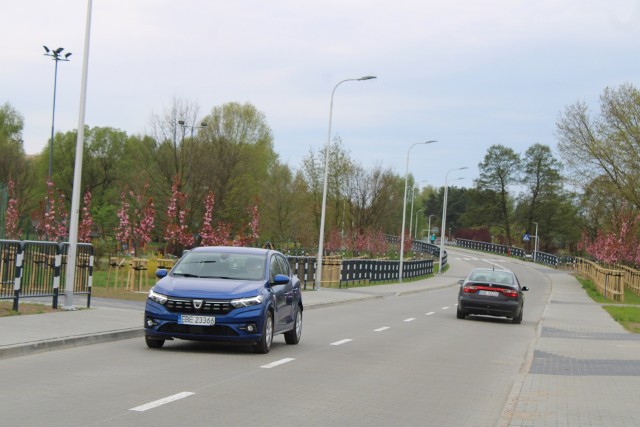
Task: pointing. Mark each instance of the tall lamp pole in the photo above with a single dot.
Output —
(443, 231)
(404, 209)
(77, 172)
(415, 233)
(429, 231)
(318, 282)
(57, 56)
(413, 196)
(535, 242)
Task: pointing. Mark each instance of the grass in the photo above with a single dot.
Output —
(627, 314)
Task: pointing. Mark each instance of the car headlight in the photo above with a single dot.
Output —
(247, 302)
(159, 298)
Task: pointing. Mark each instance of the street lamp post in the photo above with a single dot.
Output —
(415, 233)
(57, 56)
(429, 231)
(443, 230)
(535, 242)
(318, 282)
(404, 209)
(413, 196)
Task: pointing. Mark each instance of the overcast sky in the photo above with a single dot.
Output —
(467, 73)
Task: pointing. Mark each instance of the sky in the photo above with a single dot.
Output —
(469, 74)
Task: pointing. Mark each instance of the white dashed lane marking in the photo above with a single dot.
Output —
(341, 341)
(445, 308)
(430, 313)
(411, 319)
(162, 401)
(384, 328)
(278, 363)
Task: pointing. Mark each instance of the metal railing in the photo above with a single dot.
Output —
(31, 269)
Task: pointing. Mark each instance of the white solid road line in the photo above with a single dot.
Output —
(162, 401)
(341, 341)
(384, 328)
(278, 363)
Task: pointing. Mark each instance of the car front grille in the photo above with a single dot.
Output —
(217, 330)
(176, 305)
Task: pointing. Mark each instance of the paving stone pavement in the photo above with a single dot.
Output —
(583, 370)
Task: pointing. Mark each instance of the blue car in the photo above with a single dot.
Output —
(225, 294)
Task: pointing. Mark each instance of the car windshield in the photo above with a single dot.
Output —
(221, 265)
(492, 276)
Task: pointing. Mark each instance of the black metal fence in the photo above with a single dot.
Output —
(38, 269)
(540, 257)
(358, 271)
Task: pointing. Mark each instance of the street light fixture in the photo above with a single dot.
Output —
(444, 213)
(57, 56)
(193, 127)
(404, 208)
(318, 282)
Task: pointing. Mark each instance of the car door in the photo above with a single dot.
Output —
(282, 293)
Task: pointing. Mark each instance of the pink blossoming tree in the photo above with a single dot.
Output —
(12, 215)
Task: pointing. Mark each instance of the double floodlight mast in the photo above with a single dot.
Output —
(57, 56)
(318, 282)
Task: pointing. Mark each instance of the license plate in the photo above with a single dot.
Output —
(188, 319)
(489, 293)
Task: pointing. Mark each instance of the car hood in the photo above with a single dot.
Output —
(190, 287)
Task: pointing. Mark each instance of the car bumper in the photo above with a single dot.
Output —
(242, 325)
(492, 308)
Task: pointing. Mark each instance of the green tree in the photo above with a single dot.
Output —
(500, 170)
(604, 148)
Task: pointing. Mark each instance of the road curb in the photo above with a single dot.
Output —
(68, 342)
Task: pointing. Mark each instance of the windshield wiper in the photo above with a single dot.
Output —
(185, 274)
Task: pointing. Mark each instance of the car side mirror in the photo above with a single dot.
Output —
(280, 279)
(524, 288)
(161, 272)
(460, 282)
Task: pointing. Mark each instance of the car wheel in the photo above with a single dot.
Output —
(153, 343)
(460, 314)
(293, 336)
(264, 345)
(517, 320)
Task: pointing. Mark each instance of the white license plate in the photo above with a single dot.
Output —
(188, 319)
(489, 293)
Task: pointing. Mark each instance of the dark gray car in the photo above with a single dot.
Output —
(492, 292)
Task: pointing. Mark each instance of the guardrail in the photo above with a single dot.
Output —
(38, 269)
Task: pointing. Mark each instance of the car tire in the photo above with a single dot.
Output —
(460, 314)
(517, 320)
(293, 336)
(264, 345)
(153, 343)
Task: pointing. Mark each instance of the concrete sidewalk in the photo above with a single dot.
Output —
(582, 370)
(22, 335)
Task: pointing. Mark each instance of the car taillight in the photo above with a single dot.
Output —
(470, 289)
(510, 293)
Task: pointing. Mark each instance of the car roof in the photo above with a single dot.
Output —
(232, 249)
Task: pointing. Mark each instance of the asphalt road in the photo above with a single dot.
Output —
(400, 360)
